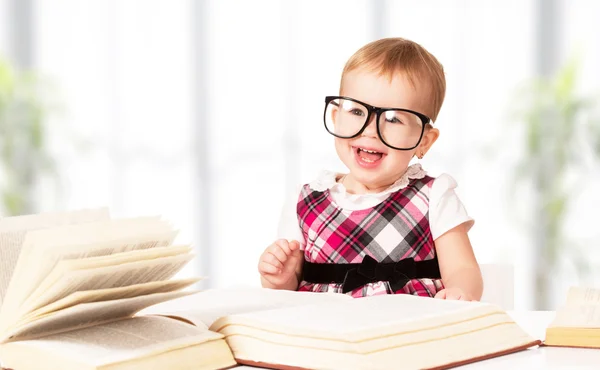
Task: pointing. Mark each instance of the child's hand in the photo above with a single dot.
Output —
(279, 263)
(453, 293)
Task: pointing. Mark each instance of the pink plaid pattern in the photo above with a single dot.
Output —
(395, 229)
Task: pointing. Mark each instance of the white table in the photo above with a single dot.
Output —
(535, 323)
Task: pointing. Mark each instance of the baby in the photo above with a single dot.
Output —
(385, 227)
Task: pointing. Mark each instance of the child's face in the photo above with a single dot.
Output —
(376, 171)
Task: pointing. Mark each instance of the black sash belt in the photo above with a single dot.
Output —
(355, 275)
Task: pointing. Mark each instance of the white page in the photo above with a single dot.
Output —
(14, 229)
(42, 249)
(64, 267)
(359, 317)
(131, 273)
(121, 340)
(583, 295)
(88, 314)
(578, 316)
(109, 294)
(205, 307)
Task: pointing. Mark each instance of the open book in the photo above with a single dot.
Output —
(301, 330)
(577, 323)
(284, 329)
(77, 275)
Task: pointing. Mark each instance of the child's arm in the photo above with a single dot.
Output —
(459, 268)
(280, 265)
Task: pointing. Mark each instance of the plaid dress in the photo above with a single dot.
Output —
(395, 229)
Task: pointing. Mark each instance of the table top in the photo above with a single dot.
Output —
(535, 323)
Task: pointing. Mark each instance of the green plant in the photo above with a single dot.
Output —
(25, 156)
(560, 130)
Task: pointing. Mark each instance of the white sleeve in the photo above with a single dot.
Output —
(289, 228)
(446, 211)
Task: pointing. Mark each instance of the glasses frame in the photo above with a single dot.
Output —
(371, 109)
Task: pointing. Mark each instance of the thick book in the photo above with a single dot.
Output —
(577, 322)
(71, 283)
(300, 330)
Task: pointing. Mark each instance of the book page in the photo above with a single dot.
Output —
(63, 267)
(204, 308)
(39, 255)
(47, 220)
(87, 314)
(110, 294)
(122, 340)
(578, 316)
(125, 274)
(581, 295)
(97, 231)
(14, 229)
(87, 240)
(379, 315)
(10, 247)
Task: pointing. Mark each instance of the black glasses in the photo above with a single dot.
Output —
(400, 129)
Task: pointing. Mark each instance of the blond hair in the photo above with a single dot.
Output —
(393, 55)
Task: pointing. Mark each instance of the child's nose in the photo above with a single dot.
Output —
(371, 129)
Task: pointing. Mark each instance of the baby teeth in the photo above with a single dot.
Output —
(369, 151)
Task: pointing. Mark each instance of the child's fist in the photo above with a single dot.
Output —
(453, 294)
(279, 262)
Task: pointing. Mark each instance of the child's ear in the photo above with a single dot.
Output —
(429, 137)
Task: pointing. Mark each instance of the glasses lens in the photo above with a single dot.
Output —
(345, 118)
(400, 129)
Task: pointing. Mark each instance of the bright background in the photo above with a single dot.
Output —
(210, 112)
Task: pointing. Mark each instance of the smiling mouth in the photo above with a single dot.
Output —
(369, 156)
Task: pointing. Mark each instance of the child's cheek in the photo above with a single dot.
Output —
(399, 160)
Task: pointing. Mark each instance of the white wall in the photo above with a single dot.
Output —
(4, 45)
(125, 74)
